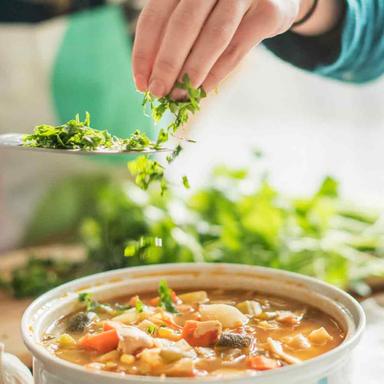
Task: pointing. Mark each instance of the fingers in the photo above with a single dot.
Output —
(149, 30)
(204, 38)
(259, 23)
(214, 38)
(180, 35)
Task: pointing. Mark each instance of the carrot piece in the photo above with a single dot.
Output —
(175, 298)
(192, 335)
(262, 363)
(101, 342)
(155, 301)
(133, 300)
(107, 326)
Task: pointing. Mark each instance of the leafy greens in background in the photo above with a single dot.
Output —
(237, 218)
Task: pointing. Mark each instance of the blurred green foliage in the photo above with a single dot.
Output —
(236, 218)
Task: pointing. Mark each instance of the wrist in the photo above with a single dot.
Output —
(323, 16)
(304, 7)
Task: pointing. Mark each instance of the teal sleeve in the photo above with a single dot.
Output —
(361, 57)
(353, 52)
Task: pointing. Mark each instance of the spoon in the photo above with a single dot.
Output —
(15, 141)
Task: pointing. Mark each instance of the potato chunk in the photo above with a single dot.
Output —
(227, 315)
(198, 297)
(320, 336)
(250, 307)
(298, 342)
(182, 368)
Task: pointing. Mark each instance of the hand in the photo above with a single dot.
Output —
(204, 38)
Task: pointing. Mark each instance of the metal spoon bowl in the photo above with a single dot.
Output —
(15, 141)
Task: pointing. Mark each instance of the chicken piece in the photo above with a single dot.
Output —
(277, 348)
(131, 339)
(182, 368)
(186, 348)
(148, 327)
(298, 342)
(150, 357)
(288, 318)
(128, 317)
(320, 336)
(227, 315)
(201, 333)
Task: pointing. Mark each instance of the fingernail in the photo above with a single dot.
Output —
(141, 83)
(156, 88)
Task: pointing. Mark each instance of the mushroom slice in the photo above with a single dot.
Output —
(233, 340)
(298, 342)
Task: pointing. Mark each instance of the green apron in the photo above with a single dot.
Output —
(92, 72)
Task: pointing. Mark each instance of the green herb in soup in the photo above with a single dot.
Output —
(189, 334)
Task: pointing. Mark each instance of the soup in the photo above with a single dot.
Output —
(190, 334)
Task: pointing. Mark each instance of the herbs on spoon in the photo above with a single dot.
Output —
(78, 135)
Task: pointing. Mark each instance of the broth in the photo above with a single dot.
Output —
(188, 334)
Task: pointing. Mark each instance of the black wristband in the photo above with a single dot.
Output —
(308, 15)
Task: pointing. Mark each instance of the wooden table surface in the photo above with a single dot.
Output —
(11, 310)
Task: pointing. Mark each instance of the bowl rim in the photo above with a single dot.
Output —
(39, 352)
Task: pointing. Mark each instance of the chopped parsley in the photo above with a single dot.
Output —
(152, 329)
(147, 171)
(91, 305)
(78, 135)
(186, 182)
(165, 294)
(139, 305)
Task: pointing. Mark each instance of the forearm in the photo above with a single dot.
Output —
(325, 17)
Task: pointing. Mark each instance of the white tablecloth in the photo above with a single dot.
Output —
(369, 356)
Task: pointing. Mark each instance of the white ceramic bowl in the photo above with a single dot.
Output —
(330, 368)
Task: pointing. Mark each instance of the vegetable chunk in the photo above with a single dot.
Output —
(262, 363)
(201, 334)
(101, 342)
(227, 315)
(320, 336)
(233, 340)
